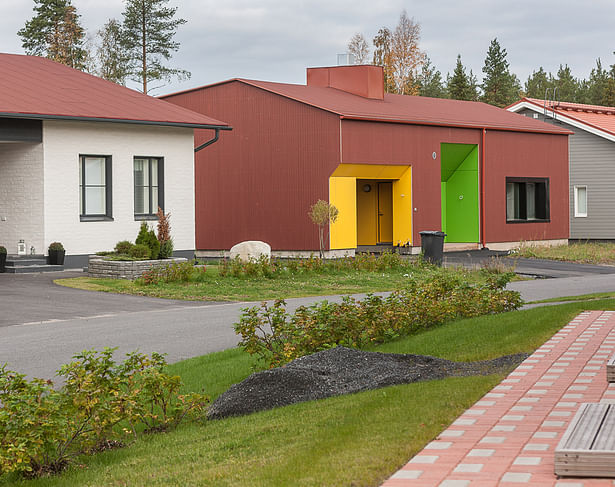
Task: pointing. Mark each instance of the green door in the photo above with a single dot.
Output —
(459, 191)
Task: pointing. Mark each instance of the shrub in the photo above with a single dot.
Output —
(42, 429)
(124, 247)
(56, 246)
(166, 249)
(148, 237)
(278, 337)
(175, 272)
(2, 250)
(140, 251)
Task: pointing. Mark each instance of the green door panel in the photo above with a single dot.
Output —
(460, 203)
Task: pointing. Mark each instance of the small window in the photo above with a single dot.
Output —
(149, 186)
(527, 200)
(580, 201)
(95, 188)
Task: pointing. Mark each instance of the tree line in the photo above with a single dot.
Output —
(409, 71)
(137, 47)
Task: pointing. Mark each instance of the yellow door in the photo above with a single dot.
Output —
(367, 212)
(385, 212)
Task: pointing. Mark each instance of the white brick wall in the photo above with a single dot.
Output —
(21, 196)
(63, 143)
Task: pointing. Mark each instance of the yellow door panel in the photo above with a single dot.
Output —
(385, 212)
(367, 212)
(342, 194)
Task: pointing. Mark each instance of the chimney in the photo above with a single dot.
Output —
(364, 80)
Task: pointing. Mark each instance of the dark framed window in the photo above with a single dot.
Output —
(95, 190)
(149, 186)
(527, 200)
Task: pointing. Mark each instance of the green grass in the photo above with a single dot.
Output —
(357, 440)
(229, 288)
(584, 253)
(583, 297)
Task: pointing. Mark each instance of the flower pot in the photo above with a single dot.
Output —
(2, 262)
(56, 257)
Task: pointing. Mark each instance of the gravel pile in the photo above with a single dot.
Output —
(343, 371)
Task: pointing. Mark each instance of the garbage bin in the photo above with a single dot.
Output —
(432, 246)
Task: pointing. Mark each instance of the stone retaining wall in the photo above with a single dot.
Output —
(124, 269)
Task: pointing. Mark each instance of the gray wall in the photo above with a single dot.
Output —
(592, 164)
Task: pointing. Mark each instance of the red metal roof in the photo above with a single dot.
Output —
(602, 118)
(36, 87)
(418, 110)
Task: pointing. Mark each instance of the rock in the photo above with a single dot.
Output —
(340, 371)
(250, 250)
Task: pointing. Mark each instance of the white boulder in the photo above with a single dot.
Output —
(250, 250)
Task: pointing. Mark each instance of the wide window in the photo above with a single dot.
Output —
(149, 186)
(527, 199)
(95, 187)
(580, 201)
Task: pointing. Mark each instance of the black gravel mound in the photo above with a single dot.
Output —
(343, 371)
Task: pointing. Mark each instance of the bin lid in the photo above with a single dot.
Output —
(433, 232)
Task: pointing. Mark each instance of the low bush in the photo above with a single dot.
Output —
(278, 337)
(42, 429)
(124, 247)
(272, 268)
(140, 251)
(175, 272)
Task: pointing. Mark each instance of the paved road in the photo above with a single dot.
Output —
(42, 325)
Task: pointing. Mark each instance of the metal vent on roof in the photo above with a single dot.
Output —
(346, 59)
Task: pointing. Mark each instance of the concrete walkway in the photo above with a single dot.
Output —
(509, 436)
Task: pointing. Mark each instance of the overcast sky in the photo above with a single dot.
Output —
(276, 40)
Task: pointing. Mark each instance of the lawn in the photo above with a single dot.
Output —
(357, 440)
(584, 253)
(213, 287)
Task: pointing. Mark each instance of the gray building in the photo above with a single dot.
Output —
(591, 162)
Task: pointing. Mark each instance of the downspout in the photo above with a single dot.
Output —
(214, 140)
(482, 191)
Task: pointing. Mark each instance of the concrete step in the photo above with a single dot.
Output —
(24, 269)
(26, 261)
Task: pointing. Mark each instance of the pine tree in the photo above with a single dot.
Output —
(55, 32)
(597, 84)
(112, 58)
(358, 48)
(538, 83)
(461, 86)
(147, 37)
(500, 87)
(430, 81)
(566, 84)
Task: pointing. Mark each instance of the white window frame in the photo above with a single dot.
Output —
(578, 214)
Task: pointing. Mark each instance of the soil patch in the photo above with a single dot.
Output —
(340, 371)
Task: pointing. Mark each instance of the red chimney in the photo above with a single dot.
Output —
(365, 81)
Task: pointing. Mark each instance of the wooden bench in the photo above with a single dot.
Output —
(587, 448)
(610, 369)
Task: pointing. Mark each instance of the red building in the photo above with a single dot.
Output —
(393, 165)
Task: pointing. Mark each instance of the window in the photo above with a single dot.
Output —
(95, 188)
(149, 186)
(527, 200)
(580, 201)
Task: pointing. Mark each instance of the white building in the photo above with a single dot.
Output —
(84, 161)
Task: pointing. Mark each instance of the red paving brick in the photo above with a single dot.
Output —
(508, 437)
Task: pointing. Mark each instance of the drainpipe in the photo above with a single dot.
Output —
(212, 141)
(482, 191)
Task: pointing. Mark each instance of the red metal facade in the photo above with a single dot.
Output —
(258, 181)
(508, 154)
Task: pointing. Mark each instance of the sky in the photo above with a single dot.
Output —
(275, 40)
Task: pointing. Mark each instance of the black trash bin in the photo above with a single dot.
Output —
(432, 246)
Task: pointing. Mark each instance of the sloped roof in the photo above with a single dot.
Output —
(418, 110)
(36, 87)
(588, 116)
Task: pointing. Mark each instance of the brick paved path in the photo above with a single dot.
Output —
(508, 437)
